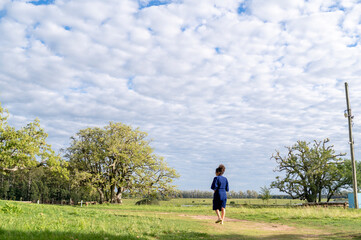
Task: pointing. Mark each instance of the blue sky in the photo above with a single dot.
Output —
(145, 4)
(210, 81)
(42, 2)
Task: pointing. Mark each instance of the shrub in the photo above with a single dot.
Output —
(10, 208)
(147, 201)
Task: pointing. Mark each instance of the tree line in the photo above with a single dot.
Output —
(209, 194)
(101, 164)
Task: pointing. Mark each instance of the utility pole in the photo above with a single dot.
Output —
(349, 116)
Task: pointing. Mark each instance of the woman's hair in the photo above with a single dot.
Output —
(220, 169)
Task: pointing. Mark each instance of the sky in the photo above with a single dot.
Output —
(210, 81)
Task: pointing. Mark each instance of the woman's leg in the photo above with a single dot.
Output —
(218, 215)
(223, 213)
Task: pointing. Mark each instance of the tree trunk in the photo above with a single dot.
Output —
(119, 195)
(114, 196)
(101, 195)
(329, 195)
(29, 188)
(2, 186)
(311, 197)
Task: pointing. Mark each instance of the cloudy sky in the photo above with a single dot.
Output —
(211, 81)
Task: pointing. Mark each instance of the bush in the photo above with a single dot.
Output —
(147, 201)
(10, 208)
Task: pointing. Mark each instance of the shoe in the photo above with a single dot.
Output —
(221, 221)
(218, 221)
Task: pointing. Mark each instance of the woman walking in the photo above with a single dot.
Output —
(220, 187)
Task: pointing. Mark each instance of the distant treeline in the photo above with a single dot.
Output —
(240, 194)
(209, 194)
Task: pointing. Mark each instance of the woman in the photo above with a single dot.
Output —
(220, 187)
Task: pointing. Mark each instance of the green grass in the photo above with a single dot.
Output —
(66, 222)
(338, 222)
(172, 220)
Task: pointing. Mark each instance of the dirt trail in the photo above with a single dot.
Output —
(264, 226)
(258, 230)
(234, 229)
(258, 225)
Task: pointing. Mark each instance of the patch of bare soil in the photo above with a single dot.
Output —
(275, 227)
(256, 225)
(202, 217)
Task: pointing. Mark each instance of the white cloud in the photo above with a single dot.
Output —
(276, 10)
(3, 3)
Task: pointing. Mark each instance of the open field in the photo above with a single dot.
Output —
(176, 219)
(243, 201)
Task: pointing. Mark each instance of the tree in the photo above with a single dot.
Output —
(117, 158)
(87, 159)
(26, 147)
(265, 193)
(251, 194)
(310, 171)
(232, 194)
(348, 169)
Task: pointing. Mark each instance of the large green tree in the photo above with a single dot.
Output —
(310, 171)
(26, 148)
(117, 158)
(348, 167)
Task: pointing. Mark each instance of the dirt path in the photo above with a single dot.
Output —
(262, 226)
(244, 229)
(234, 229)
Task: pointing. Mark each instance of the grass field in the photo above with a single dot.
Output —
(175, 219)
